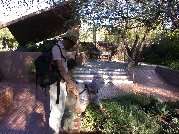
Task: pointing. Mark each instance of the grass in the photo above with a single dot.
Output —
(134, 114)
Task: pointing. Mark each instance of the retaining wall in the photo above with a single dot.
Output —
(13, 65)
(168, 74)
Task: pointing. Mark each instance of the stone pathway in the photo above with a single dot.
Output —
(30, 116)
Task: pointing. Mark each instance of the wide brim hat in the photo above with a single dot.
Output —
(71, 35)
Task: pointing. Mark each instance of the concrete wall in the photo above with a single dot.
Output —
(13, 65)
(169, 74)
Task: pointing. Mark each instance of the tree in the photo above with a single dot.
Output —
(131, 20)
(130, 17)
(8, 39)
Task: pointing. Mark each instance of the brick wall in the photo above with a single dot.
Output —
(6, 99)
(14, 65)
(1, 76)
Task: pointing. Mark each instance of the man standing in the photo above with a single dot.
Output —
(60, 60)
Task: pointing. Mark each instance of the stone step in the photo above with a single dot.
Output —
(100, 76)
(108, 71)
(105, 81)
(104, 64)
(97, 69)
(99, 72)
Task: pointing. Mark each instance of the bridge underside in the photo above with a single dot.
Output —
(43, 24)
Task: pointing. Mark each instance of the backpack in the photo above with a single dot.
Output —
(46, 72)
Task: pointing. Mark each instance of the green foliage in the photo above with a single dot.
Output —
(133, 113)
(5, 33)
(121, 117)
(82, 49)
(165, 52)
(32, 47)
(127, 19)
(31, 67)
(10, 40)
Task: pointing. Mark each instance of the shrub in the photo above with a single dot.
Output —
(134, 113)
(31, 70)
(165, 51)
(31, 67)
(121, 117)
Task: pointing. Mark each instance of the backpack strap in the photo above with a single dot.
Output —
(58, 91)
(58, 82)
(61, 52)
(75, 56)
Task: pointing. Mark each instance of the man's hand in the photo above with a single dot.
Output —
(72, 87)
(75, 92)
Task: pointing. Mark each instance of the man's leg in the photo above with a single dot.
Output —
(68, 121)
(57, 110)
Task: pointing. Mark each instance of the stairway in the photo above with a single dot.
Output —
(113, 72)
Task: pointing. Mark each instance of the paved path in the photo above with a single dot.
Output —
(30, 116)
(146, 80)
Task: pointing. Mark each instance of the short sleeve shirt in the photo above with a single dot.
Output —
(57, 54)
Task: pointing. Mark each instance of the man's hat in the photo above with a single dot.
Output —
(71, 35)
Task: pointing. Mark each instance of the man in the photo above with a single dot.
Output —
(60, 60)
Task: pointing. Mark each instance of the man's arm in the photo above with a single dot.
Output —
(62, 71)
(71, 54)
(70, 84)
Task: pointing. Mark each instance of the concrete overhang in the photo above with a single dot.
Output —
(43, 24)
